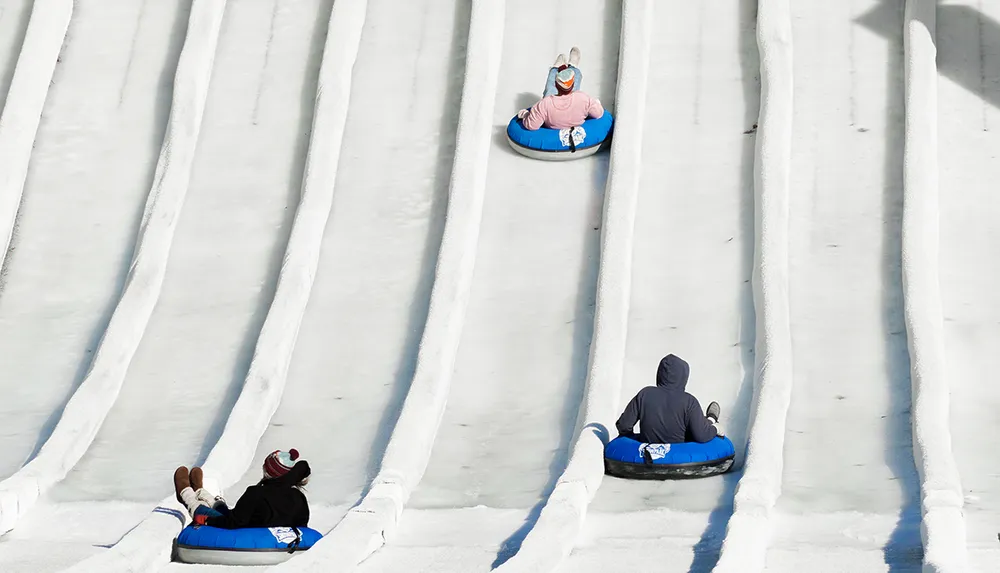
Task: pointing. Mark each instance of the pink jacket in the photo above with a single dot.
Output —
(562, 111)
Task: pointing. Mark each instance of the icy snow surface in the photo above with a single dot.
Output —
(969, 145)
(848, 450)
(523, 354)
(87, 183)
(850, 497)
(356, 348)
(13, 25)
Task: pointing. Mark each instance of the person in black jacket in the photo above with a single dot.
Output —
(666, 413)
(276, 501)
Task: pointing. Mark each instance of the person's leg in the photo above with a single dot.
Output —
(574, 56)
(191, 500)
(199, 503)
(216, 502)
(206, 497)
(712, 413)
(182, 480)
(550, 83)
(579, 77)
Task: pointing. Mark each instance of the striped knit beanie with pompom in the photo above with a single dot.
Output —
(278, 463)
(565, 79)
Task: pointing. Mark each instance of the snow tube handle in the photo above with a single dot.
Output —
(646, 456)
(298, 539)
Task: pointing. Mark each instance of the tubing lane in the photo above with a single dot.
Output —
(22, 113)
(147, 547)
(554, 534)
(748, 533)
(86, 410)
(367, 526)
(941, 497)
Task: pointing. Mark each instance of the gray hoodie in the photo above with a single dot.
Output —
(666, 413)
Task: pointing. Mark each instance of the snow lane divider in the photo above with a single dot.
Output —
(147, 547)
(555, 533)
(234, 453)
(29, 87)
(367, 526)
(87, 408)
(941, 498)
(749, 531)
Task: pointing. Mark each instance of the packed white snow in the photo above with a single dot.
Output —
(969, 134)
(14, 16)
(691, 292)
(522, 358)
(224, 258)
(356, 350)
(848, 450)
(91, 168)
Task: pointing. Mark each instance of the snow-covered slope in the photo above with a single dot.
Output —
(532, 295)
(90, 171)
(969, 135)
(356, 349)
(849, 469)
(691, 292)
(522, 358)
(14, 16)
(87, 182)
(223, 264)
(224, 259)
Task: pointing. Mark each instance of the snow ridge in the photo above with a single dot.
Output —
(87, 409)
(552, 538)
(23, 111)
(233, 453)
(941, 498)
(747, 536)
(147, 547)
(369, 524)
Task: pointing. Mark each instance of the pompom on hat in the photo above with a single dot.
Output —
(278, 463)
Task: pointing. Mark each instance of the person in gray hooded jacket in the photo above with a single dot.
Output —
(666, 413)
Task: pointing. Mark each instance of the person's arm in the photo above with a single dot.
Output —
(596, 110)
(535, 117)
(626, 422)
(699, 427)
(241, 515)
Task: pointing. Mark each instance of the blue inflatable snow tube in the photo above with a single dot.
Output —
(248, 546)
(555, 144)
(628, 458)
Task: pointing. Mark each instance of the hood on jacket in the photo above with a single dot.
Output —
(672, 373)
(299, 472)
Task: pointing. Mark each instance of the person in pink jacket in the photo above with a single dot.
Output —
(563, 105)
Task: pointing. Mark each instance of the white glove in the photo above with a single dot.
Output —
(718, 430)
(522, 114)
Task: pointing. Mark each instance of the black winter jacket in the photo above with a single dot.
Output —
(666, 413)
(270, 503)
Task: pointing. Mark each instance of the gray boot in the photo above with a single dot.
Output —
(713, 411)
